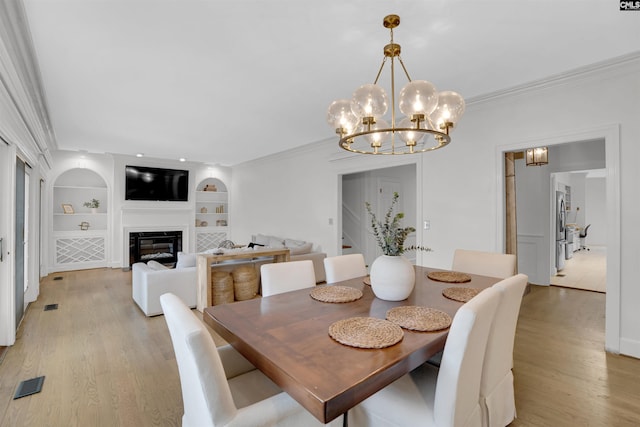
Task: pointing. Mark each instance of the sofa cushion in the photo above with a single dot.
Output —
(186, 260)
(270, 241)
(298, 247)
(261, 239)
(155, 265)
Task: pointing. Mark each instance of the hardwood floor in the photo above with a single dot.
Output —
(563, 376)
(587, 270)
(106, 364)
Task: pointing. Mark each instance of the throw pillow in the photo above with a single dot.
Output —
(298, 247)
(155, 265)
(261, 239)
(270, 241)
(186, 260)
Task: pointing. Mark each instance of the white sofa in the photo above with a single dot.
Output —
(299, 250)
(149, 281)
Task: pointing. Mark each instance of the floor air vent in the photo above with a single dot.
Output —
(28, 387)
(57, 278)
(49, 307)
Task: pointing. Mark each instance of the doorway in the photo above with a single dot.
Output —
(585, 264)
(376, 187)
(611, 137)
(536, 189)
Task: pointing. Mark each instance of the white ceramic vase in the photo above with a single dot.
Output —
(392, 278)
(94, 210)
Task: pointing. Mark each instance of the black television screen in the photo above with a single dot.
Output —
(156, 184)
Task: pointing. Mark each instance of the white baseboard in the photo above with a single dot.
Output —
(630, 347)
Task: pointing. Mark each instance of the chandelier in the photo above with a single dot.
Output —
(429, 115)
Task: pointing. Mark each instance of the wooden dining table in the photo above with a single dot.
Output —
(286, 337)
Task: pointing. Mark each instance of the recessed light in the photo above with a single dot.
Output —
(139, 155)
(182, 159)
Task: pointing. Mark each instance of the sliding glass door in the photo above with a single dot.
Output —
(20, 238)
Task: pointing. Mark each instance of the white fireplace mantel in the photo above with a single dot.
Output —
(149, 217)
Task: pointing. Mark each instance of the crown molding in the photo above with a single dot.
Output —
(21, 77)
(556, 79)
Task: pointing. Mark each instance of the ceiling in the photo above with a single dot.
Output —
(227, 81)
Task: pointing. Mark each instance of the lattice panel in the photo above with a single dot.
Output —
(81, 249)
(206, 241)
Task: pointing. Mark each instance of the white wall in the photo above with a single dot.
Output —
(596, 215)
(291, 195)
(459, 187)
(578, 184)
(532, 218)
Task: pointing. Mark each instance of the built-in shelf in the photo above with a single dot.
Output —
(80, 237)
(216, 217)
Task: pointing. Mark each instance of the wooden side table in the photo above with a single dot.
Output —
(205, 262)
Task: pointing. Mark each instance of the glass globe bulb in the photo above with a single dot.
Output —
(449, 110)
(376, 139)
(418, 97)
(369, 101)
(340, 116)
(410, 137)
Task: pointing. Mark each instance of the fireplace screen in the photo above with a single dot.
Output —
(161, 246)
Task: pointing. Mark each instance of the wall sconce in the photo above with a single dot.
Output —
(538, 156)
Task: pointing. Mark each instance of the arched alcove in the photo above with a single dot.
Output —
(80, 220)
(212, 213)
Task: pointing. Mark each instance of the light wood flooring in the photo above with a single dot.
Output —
(587, 270)
(106, 364)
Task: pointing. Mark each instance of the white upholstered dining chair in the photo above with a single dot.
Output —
(484, 263)
(344, 267)
(445, 397)
(282, 277)
(219, 386)
(497, 398)
(490, 264)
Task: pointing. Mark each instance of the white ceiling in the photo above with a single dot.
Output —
(228, 81)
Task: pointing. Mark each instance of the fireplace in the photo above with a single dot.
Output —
(160, 246)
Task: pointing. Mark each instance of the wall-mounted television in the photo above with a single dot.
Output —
(156, 184)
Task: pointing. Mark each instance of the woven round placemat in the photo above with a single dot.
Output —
(367, 280)
(449, 276)
(416, 318)
(366, 332)
(460, 294)
(335, 294)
